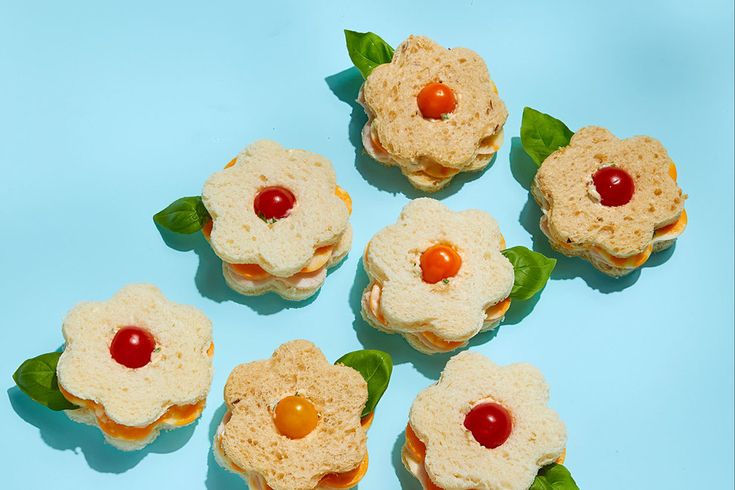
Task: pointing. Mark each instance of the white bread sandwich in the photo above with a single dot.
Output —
(486, 426)
(276, 217)
(132, 366)
(612, 202)
(297, 422)
(439, 277)
(433, 112)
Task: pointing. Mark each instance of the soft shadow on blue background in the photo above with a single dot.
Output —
(108, 112)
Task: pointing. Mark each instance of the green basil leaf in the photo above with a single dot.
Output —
(531, 270)
(376, 367)
(542, 135)
(367, 50)
(36, 377)
(554, 477)
(185, 215)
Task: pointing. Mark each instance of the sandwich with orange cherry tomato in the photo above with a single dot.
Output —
(439, 277)
(297, 422)
(275, 216)
(432, 112)
(613, 202)
(132, 366)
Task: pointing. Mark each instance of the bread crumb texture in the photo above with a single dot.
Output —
(573, 215)
(454, 310)
(180, 370)
(429, 151)
(284, 247)
(454, 459)
(251, 440)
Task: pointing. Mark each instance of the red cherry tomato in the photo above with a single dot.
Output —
(490, 424)
(132, 347)
(436, 99)
(439, 262)
(614, 185)
(274, 203)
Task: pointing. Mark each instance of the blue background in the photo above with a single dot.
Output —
(108, 113)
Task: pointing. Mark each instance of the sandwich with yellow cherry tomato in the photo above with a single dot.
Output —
(297, 422)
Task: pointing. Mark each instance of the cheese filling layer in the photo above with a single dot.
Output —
(256, 481)
(493, 315)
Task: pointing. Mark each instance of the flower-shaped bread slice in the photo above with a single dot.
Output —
(284, 247)
(178, 374)
(453, 310)
(250, 439)
(575, 220)
(454, 459)
(431, 151)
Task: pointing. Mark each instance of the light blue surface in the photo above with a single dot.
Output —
(108, 113)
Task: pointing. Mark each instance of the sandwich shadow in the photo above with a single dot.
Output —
(523, 170)
(218, 477)
(211, 283)
(63, 434)
(430, 366)
(346, 85)
(408, 482)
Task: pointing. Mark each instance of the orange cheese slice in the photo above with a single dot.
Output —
(347, 479)
(672, 171)
(677, 227)
(175, 415)
(367, 420)
(414, 445)
(497, 310)
(342, 194)
(207, 229)
(439, 343)
(252, 272)
(437, 171)
(231, 163)
(633, 261)
(319, 260)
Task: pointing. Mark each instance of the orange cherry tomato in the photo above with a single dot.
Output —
(295, 417)
(439, 262)
(435, 100)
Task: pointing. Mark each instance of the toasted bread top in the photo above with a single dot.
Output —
(180, 370)
(389, 96)
(454, 310)
(454, 459)
(282, 248)
(253, 443)
(563, 186)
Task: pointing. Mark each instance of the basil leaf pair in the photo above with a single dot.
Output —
(531, 270)
(554, 477)
(542, 135)
(376, 367)
(36, 377)
(367, 50)
(185, 215)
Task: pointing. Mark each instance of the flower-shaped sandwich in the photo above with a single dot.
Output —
(276, 218)
(432, 111)
(131, 366)
(485, 426)
(612, 202)
(296, 422)
(440, 277)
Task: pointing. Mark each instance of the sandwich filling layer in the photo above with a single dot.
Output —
(256, 481)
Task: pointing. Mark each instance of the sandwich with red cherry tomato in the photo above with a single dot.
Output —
(486, 426)
(275, 216)
(432, 112)
(132, 366)
(296, 421)
(610, 201)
